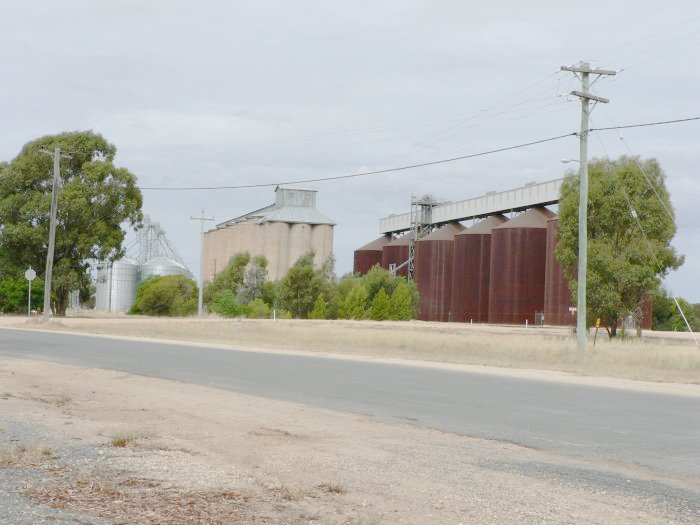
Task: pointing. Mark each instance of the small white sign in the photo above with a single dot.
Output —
(30, 274)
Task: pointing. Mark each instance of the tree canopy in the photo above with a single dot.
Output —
(95, 199)
(630, 230)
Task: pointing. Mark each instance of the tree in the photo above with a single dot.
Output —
(624, 264)
(404, 301)
(319, 309)
(225, 303)
(95, 199)
(254, 278)
(13, 294)
(381, 306)
(355, 304)
(171, 295)
(230, 278)
(299, 288)
(667, 317)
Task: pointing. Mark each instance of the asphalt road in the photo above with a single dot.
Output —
(658, 431)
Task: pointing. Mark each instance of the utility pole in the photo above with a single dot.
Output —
(52, 234)
(585, 70)
(201, 259)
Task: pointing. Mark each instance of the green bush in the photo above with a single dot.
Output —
(171, 295)
(225, 303)
(319, 309)
(13, 295)
(258, 309)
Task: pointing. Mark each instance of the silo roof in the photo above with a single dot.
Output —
(532, 218)
(401, 241)
(300, 214)
(444, 233)
(376, 244)
(485, 226)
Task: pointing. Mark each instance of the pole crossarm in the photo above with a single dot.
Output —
(584, 68)
(581, 94)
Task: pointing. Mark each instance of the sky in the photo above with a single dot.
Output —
(252, 92)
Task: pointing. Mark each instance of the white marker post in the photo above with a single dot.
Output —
(30, 275)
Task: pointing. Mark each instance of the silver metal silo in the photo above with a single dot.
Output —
(162, 266)
(116, 285)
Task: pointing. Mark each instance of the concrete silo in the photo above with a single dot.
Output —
(518, 256)
(433, 274)
(116, 285)
(396, 252)
(557, 297)
(369, 255)
(281, 232)
(471, 272)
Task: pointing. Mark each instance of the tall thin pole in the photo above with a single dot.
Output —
(581, 310)
(52, 234)
(201, 260)
(583, 216)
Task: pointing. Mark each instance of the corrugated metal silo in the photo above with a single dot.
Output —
(433, 274)
(396, 252)
(162, 266)
(116, 286)
(518, 255)
(471, 271)
(557, 297)
(370, 255)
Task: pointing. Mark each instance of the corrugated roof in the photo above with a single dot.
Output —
(256, 213)
(532, 218)
(444, 233)
(485, 226)
(401, 241)
(295, 214)
(376, 244)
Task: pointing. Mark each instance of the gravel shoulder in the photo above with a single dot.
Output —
(205, 455)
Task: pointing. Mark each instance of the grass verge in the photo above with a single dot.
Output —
(507, 347)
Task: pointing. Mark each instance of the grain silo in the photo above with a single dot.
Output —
(433, 273)
(472, 270)
(369, 255)
(162, 266)
(518, 255)
(557, 297)
(395, 253)
(281, 232)
(116, 285)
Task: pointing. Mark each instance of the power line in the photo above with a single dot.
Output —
(647, 124)
(411, 166)
(377, 172)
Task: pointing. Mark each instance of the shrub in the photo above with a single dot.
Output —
(225, 303)
(171, 295)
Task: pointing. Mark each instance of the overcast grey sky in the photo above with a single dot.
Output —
(222, 93)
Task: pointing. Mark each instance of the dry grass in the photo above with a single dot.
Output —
(332, 488)
(28, 455)
(132, 500)
(509, 347)
(122, 438)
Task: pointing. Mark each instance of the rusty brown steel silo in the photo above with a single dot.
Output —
(557, 297)
(396, 252)
(471, 270)
(369, 255)
(433, 273)
(518, 255)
